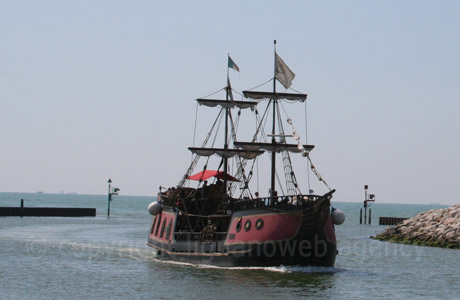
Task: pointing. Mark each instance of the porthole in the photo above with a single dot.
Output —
(247, 225)
(238, 225)
(259, 224)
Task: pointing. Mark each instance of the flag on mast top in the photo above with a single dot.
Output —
(232, 65)
(283, 73)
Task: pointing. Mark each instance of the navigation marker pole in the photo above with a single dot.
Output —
(368, 198)
(112, 192)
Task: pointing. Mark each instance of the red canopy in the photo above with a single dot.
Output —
(203, 175)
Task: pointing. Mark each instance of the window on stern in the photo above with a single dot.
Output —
(168, 230)
(152, 227)
(158, 224)
(163, 228)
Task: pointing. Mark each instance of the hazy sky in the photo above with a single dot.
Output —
(91, 90)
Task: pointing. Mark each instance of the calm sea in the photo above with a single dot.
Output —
(107, 258)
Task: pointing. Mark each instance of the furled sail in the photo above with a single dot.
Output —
(227, 104)
(276, 147)
(226, 153)
(274, 96)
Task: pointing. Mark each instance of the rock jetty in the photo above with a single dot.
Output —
(436, 228)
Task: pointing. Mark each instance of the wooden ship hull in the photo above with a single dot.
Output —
(211, 224)
(257, 234)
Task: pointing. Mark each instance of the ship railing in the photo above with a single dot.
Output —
(291, 202)
(199, 236)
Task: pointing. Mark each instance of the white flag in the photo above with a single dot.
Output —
(283, 73)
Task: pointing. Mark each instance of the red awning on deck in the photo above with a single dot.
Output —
(203, 175)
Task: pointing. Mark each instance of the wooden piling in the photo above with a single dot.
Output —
(22, 208)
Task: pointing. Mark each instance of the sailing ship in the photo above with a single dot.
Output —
(224, 222)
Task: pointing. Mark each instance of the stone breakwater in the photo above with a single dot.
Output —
(437, 228)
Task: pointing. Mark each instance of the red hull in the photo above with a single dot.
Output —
(255, 237)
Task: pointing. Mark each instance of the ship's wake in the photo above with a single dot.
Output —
(277, 269)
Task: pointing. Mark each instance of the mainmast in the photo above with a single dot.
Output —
(273, 169)
(284, 75)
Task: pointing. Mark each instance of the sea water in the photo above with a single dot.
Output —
(107, 258)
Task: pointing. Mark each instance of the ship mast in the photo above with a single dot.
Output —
(284, 75)
(227, 96)
(225, 153)
(273, 169)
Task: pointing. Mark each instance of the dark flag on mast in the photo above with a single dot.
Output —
(232, 65)
(283, 73)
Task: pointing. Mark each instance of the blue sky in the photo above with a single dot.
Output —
(97, 89)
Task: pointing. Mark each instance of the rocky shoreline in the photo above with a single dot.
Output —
(436, 228)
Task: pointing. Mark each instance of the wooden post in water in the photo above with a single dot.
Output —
(370, 213)
(110, 198)
(365, 212)
(361, 216)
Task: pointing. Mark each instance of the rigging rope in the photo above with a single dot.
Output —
(258, 122)
(196, 121)
(214, 93)
(296, 90)
(243, 162)
(218, 126)
(271, 79)
(259, 128)
(306, 154)
(240, 162)
(306, 141)
(300, 143)
(238, 93)
(197, 157)
(291, 180)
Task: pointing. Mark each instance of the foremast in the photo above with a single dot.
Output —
(228, 96)
(226, 152)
